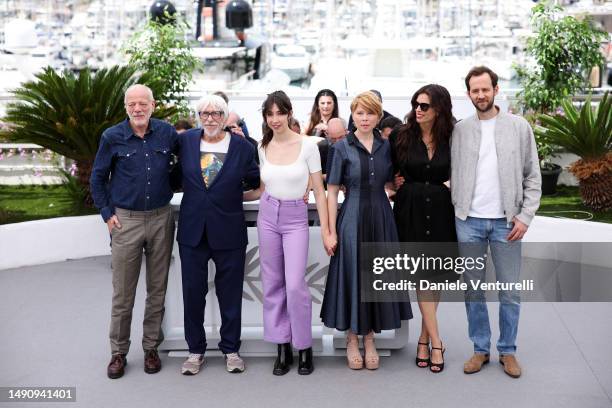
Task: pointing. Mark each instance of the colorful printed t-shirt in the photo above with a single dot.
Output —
(212, 156)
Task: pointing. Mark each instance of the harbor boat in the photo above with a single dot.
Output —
(294, 60)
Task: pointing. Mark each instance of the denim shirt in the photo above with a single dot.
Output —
(131, 172)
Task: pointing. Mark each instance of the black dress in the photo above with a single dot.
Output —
(423, 209)
(365, 216)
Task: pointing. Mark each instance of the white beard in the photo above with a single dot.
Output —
(212, 135)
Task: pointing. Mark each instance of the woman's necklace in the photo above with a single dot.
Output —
(430, 145)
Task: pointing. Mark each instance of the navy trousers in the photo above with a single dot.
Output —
(229, 279)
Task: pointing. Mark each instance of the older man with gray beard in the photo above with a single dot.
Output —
(130, 184)
(215, 165)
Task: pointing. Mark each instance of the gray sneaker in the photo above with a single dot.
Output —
(191, 366)
(234, 363)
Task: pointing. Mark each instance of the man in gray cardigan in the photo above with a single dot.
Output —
(496, 189)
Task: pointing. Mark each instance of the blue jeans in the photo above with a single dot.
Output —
(479, 233)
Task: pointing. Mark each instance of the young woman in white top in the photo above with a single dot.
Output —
(288, 161)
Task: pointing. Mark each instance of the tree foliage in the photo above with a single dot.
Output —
(564, 50)
(585, 132)
(67, 113)
(162, 51)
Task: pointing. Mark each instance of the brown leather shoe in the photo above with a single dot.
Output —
(152, 363)
(116, 367)
(475, 363)
(511, 366)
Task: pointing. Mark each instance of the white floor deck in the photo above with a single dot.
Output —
(55, 318)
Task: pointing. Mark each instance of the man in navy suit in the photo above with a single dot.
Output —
(215, 165)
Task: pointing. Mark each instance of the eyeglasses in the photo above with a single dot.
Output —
(216, 115)
(424, 106)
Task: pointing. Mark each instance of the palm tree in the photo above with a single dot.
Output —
(67, 113)
(588, 134)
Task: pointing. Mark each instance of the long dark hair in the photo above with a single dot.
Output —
(315, 115)
(283, 103)
(410, 132)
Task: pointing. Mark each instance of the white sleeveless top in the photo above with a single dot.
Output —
(289, 181)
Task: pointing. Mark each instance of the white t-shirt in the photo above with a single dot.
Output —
(289, 181)
(487, 198)
(212, 156)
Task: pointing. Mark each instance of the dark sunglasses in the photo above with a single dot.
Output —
(424, 106)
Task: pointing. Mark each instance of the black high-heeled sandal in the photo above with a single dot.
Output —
(423, 360)
(439, 366)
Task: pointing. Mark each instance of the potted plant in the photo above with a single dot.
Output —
(563, 51)
(550, 171)
(588, 134)
(546, 151)
(161, 49)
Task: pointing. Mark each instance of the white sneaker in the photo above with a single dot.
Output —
(191, 366)
(234, 363)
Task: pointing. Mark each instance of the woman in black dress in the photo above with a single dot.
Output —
(423, 209)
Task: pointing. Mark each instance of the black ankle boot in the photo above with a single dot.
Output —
(305, 366)
(284, 359)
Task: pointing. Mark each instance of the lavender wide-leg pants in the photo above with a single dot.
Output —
(282, 227)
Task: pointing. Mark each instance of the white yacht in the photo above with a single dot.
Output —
(294, 60)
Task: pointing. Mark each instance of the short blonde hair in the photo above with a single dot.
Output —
(368, 101)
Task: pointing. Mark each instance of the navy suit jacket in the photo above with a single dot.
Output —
(217, 210)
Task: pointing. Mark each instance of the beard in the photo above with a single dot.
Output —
(214, 134)
(487, 108)
(139, 120)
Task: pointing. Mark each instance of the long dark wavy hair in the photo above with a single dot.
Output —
(315, 115)
(283, 103)
(410, 132)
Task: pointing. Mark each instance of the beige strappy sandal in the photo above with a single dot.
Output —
(371, 355)
(353, 356)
